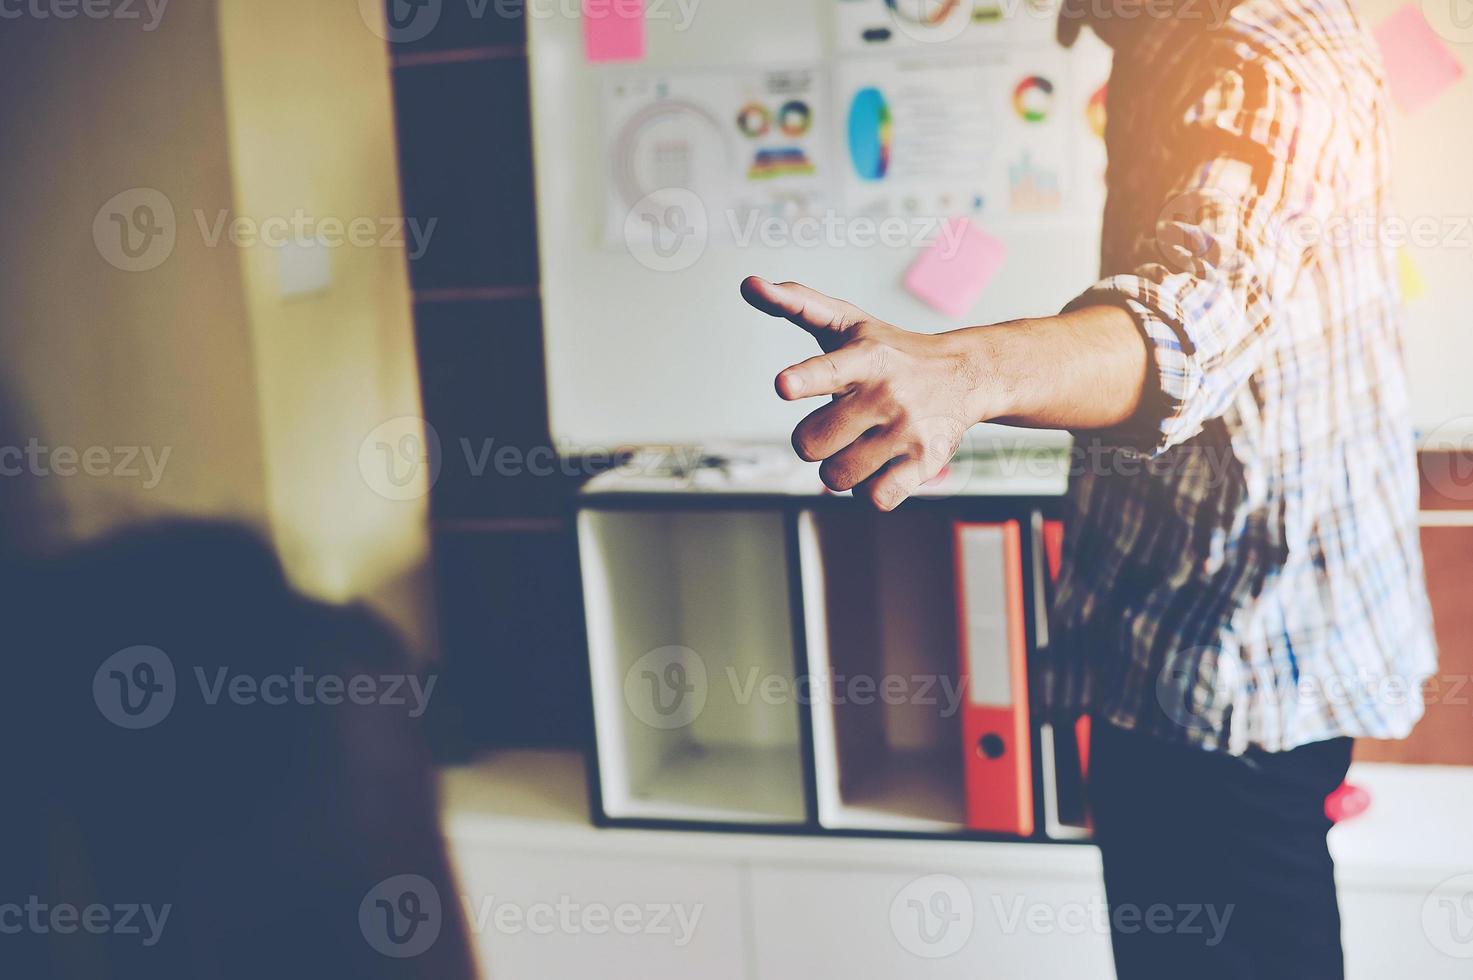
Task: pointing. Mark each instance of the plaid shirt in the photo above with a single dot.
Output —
(1243, 568)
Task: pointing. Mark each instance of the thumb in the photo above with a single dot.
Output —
(829, 320)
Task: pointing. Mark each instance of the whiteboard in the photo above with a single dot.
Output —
(671, 354)
(1433, 175)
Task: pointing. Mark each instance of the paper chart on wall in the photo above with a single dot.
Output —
(1004, 133)
(726, 144)
(988, 135)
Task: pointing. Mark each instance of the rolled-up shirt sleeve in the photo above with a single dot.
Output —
(1203, 279)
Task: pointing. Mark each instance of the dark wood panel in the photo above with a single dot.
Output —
(440, 25)
(465, 158)
(481, 367)
(515, 663)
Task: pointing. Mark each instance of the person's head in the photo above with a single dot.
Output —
(176, 753)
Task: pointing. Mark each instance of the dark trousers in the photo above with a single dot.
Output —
(1217, 866)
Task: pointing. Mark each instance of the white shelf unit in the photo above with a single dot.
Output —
(692, 658)
(879, 601)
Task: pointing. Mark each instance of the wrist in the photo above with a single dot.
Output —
(994, 362)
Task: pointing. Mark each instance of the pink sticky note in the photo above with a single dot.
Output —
(951, 273)
(613, 30)
(1419, 65)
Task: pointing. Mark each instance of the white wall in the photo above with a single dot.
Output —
(261, 402)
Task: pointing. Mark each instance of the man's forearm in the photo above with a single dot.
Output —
(1085, 369)
(899, 403)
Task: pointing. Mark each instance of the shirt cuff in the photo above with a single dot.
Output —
(1169, 412)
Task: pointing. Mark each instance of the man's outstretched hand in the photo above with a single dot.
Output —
(901, 401)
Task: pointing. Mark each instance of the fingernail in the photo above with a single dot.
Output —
(794, 384)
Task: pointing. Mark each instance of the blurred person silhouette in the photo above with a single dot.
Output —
(173, 811)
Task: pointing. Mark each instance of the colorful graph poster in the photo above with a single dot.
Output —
(725, 144)
(987, 135)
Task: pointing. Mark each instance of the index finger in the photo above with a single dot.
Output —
(833, 373)
(823, 316)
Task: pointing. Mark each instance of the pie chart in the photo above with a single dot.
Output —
(869, 134)
(1033, 98)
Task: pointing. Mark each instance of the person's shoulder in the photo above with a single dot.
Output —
(1316, 43)
(1307, 59)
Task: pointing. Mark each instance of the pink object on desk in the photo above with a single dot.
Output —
(613, 30)
(950, 274)
(1419, 66)
(1345, 802)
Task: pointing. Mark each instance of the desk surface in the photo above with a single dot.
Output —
(1417, 832)
(1005, 471)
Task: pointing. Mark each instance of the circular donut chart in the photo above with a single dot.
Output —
(1033, 98)
(795, 118)
(753, 120)
(870, 134)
